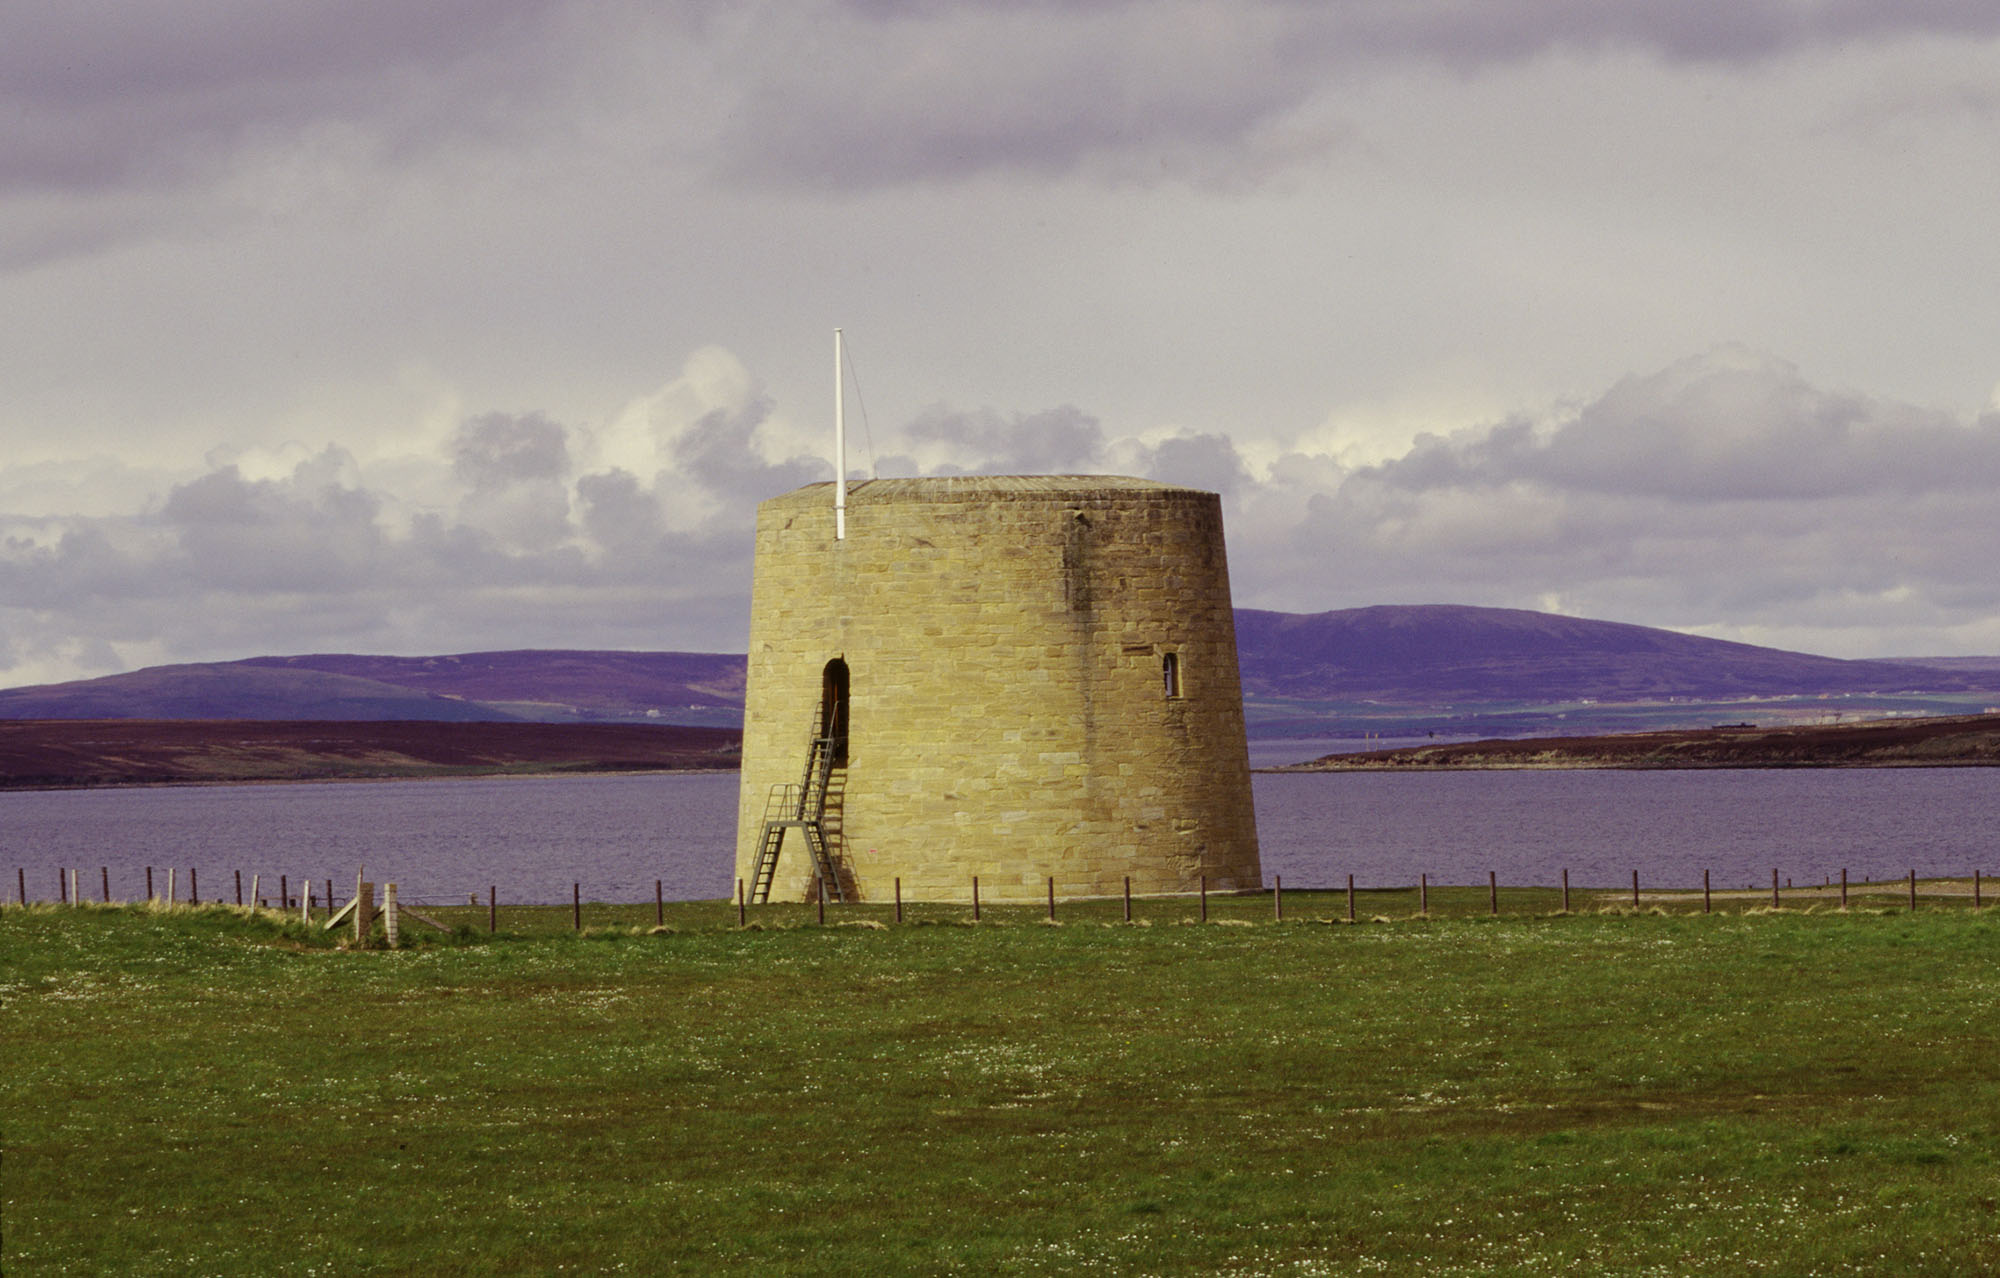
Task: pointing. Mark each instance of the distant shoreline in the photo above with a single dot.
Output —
(528, 774)
(1957, 741)
(77, 754)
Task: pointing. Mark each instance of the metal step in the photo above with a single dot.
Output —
(803, 807)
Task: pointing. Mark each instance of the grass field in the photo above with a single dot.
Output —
(194, 1092)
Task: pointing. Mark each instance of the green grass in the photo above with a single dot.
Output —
(207, 1092)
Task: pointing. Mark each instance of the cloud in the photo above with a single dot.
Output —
(517, 468)
(618, 514)
(873, 95)
(870, 94)
(311, 532)
(1731, 425)
(987, 442)
(522, 552)
(705, 445)
(1722, 31)
(1724, 494)
(497, 450)
(98, 96)
(514, 530)
(1197, 461)
(99, 93)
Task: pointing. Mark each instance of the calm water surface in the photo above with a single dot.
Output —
(533, 837)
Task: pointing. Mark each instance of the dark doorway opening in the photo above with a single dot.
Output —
(833, 710)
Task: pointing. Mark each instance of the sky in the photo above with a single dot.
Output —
(424, 326)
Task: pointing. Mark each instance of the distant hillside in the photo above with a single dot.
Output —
(1436, 668)
(1985, 667)
(556, 683)
(234, 690)
(703, 689)
(1446, 653)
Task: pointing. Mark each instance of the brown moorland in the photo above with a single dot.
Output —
(1943, 741)
(55, 753)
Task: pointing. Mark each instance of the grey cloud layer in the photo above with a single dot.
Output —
(119, 94)
(858, 94)
(227, 564)
(880, 93)
(1723, 493)
(1725, 427)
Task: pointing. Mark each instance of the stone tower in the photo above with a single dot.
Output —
(1015, 676)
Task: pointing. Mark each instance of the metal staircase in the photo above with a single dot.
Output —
(802, 807)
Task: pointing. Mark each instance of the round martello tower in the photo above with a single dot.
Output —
(1013, 677)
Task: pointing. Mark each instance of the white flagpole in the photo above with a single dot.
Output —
(839, 440)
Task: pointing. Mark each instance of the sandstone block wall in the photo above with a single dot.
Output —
(1009, 713)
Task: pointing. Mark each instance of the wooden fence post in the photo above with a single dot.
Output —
(1565, 891)
(742, 919)
(239, 887)
(1278, 897)
(1350, 898)
(576, 907)
(1204, 898)
(659, 904)
(1707, 901)
(22, 872)
(1128, 898)
(284, 893)
(62, 887)
(975, 898)
(391, 924)
(1975, 889)
(899, 898)
(1843, 887)
(1052, 898)
(149, 884)
(106, 870)
(194, 893)
(1493, 891)
(1913, 888)
(820, 883)
(1635, 889)
(492, 908)
(1424, 895)
(170, 885)
(1774, 889)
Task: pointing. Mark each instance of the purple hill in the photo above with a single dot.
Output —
(1395, 655)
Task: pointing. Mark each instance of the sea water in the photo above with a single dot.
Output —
(532, 838)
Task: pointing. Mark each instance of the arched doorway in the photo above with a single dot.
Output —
(831, 802)
(833, 710)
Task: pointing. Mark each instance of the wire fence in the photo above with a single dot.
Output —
(322, 898)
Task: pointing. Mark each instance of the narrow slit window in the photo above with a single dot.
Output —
(1170, 674)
